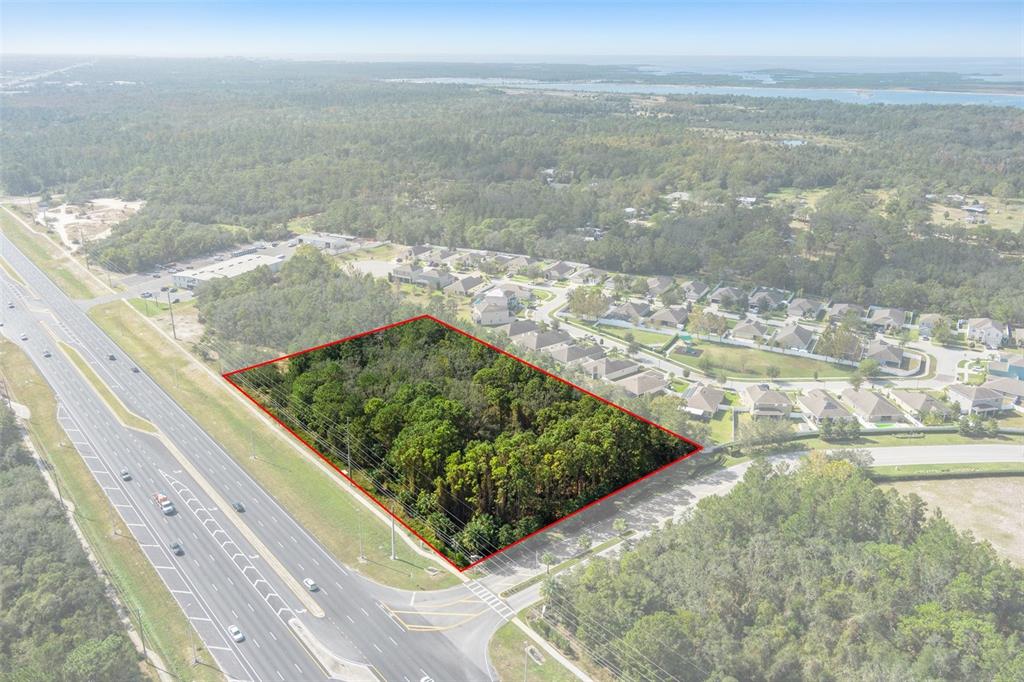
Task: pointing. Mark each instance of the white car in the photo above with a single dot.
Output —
(310, 585)
(23, 337)
(235, 633)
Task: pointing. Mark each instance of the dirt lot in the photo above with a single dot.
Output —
(991, 508)
(93, 220)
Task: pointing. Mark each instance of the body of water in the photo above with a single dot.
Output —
(850, 95)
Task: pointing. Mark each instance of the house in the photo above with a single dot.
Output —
(430, 278)
(538, 340)
(841, 311)
(807, 308)
(557, 271)
(1012, 390)
(1010, 367)
(872, 407)
(821, 405)
(610, 368)
(750, 330)
(491, 311)
(413, 252)
(884, 353)
(656, 286)
(703, 401)
(693, 290)
(919, 403)
(926, 324)
(673, 316)
(765, 402)
(886, 319)
(589, 276)
(765, 300)
(464, 286)
(987, 331)
(975, 399)
(644, 383)
(629, 311)
(519, 327)
(728, 296)
(793, 337)
(517, 263)
(571, 353)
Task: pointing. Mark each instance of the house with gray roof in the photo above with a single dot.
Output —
(750, 330)
(764, 300)
(630, 311)
(610, 368)
(793, 337)
(886, 319)
(976, 399)
(656, 286)
(464, 286)
(1011, 389)
(886, 354)
(728, 296)
(557, 271)
(926, 324)
(842, 310)
(571, 353)
(807, 308)
(519, 327)
(987, 331)
(694, 290)
(491, 311)
(538, 340)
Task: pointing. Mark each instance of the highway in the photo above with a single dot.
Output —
(223, 578)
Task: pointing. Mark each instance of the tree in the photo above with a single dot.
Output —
(587, 302)
(942, 332)
(869, 367)
(772, 371)
(856, 380)
(549, 560)
(619, 526)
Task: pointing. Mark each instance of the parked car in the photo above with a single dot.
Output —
(164, 288)
(235, 633)
(146, 294)
(310, 585)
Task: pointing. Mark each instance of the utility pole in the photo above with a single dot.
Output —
(142, 632)
(393, 556)
(526, 659)
(170, 309)
(192, 643)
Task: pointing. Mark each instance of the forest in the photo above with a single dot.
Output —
(814, 575)
(475, 449)
(229, 150)
(57, 623)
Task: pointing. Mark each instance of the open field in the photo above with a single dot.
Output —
(641, 336)
(896, 439)
(1003, 214)
(268, 454)
(508, 656)
(991, 508)
(739, 362)
(50, 258)
(125, 415)
(165, 627)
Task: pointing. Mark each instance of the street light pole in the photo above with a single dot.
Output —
(170, 309)
(393, 557)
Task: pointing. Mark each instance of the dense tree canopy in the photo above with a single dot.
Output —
(477, 447)
(224, 151)
(56, 621)
(812, 575)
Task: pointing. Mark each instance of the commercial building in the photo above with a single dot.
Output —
(232, 267)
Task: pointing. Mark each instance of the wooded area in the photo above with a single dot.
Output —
(57, 623)
(224, 151)
(813, 575)
(478, 448)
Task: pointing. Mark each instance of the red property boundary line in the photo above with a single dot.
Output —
(696, 447)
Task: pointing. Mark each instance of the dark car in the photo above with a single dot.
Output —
(238, 507)
(177, 548)
(135, 369)
(111, 357)
(164, 288)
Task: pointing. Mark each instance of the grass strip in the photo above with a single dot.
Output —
(10, 272)
(918, 472)
(267, 453)
(162, 622)
(113, 402)
(48, 257)
(507, 651)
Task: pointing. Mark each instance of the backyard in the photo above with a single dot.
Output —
(741, 362)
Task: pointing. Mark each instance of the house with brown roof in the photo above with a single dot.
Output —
(610, 368)
(920, 404)
(886, 354)
(886, 319)
(807, 308)
(819, 405)
(766, 402)
(872, 407)
(538, 340)
(644, 383)
(793, 337)
(1011, 389)
(464, 286)
(673, 316)
(750, 330)
(571, 353)
(694, 290)
(703, 401)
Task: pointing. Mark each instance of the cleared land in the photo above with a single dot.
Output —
(269, 457)
(164, 625)
(60, 267)
(991, 508)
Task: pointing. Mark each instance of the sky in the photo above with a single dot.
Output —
(523, 28)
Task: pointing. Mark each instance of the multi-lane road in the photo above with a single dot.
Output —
(241, 569)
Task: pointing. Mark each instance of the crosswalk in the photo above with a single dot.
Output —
(491, 599)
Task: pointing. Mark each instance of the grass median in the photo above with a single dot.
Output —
(508, 655)
(125, 415)
(164, 625)
(49, 258)
(311, 495)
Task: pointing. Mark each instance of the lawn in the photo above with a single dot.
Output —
(721, 427)
(60, 267)
(988, 507)
(1003, 214)
(897, 439)
(641, 336)
(741, 362)
(137, 583)
(153, 308)
(310, 494)
(508, 656)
